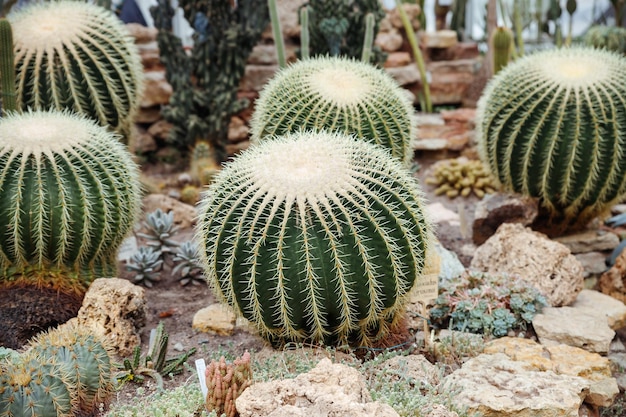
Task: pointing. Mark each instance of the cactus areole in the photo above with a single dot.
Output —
(79, 56)
(552, 125)
(340, 95)
(314, 237)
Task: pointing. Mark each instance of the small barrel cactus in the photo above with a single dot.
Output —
(77, 55)
(608, 37)
(501, 41)
(314, 236)
(551, 126)
(30, 387)
(340, 95)
(88, 358)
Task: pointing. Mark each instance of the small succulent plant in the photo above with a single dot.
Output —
(226, 382)
(461, 178)
(188, 266)
(160, 229)
(155, 364)
(484, 303)
(147, 264)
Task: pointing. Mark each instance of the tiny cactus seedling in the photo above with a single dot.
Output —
(340, 95)
(146, 263)
(551, 125)
(190, 194)
(80, 56)
(203, 166)
(225, 383)
(315, 236)
(88, 360)
(69, 195)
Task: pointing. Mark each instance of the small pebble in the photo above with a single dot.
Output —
(179, 347)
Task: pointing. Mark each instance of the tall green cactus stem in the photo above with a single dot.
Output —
(88, 358)
(79, 56)
(417, 56)
(550, 125)
(31, 387)
(338, 94)
(314, 237)
(369, 37)
(304, 33)
(501, 41)
(519, 27)
(277, 33)
(206, 81)
(7, 66)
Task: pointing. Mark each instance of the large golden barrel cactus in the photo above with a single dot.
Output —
(552, 125)
(79, 56)
(315, 236)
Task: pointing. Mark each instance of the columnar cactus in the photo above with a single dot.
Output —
(337, 94)
(314, 236)
(69, 194)
(551, 125)
(7, 66)
(30, 387)
(80, 56)
(88, 358)
(501, 41)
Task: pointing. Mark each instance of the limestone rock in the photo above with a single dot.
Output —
(594, 263)
(215, 319)
(405, 75)
(440, 39)
(389, 41)
(613, 281)
(397, 59)
(237, 130)
(589, 241)
(596, 302)
(160, 129)
(156, 90)
(546, 264)
(256, 76)
(148, 114)
(496, 209)
(184, 214)
(413, 367)
(437, 410)
(494, 385)
(141, 33)
(413, 12)
(574, 327)
(116, 308)
(562, 360)
(327, 390)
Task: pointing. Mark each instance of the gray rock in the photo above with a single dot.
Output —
(598, 303)
(544, 263)
(574, 327)
(589, 241)
(593, 263)
(495, 209)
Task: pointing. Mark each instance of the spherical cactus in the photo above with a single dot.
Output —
(80, 56)
(69, 194)
(609, 37)
(551, 125)
(88, 358)
(337, 94)
(314, 236)
(30, 387)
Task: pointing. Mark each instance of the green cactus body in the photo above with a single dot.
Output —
(7, 68)
(80, 56)
(608, 37)
(88, 358)
(337, 94)
(69, 194)
(314, 237)
(29, 387)
(551, 125)
(502, 40)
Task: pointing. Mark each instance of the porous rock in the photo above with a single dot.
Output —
(545, 264)
(496, 209)
(327, 390)
(613, 281)
(494, 385)
(115, 308)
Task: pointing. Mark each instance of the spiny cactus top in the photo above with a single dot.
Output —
(69, 194)
(552, 125)
(80, 56)
(314, 236)
(337, 94)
